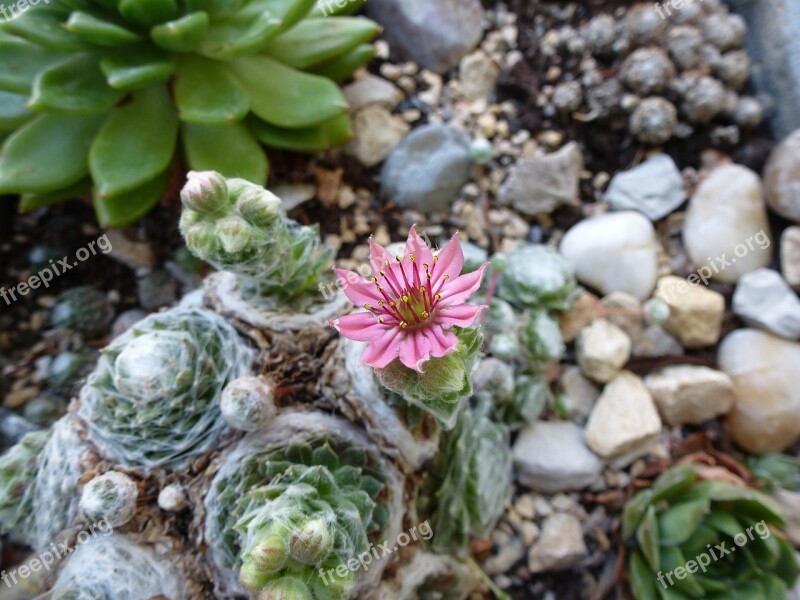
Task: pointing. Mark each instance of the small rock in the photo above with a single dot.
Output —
(540, 184)
(654, 120)
(654, 188)
(568, 96)
(172, 498)
(45, 409)
(790, 255)
(695, 312)
(84, 310)
(559, 546)
(578, 394)
(614, 252)
(726, 223)
(478, 74)
(782, 178)
(125, 320)
(624, 311)
(377, 132)
(654, 341)
(551, 456)
(585, 309)
(372, 90)
(690, 394)
(623, 419)
(293, 195)
(508, 554)
(156, 289)
(13, 428)
(428, 169)
(525, 507)
(764, 368)
(435, 35)
(602, 350)
(136, 255)
(764, 300)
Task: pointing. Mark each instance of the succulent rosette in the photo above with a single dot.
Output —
(696, 534)
(102, 94)
(153, 399)
(417, 322)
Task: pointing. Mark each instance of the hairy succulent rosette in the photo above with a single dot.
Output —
(690, 514)
(104, 94)
(296, 501)
(238, 226)
(153, 399)
(537, 277)
(469, 482)
(112, 567)
(17, 472)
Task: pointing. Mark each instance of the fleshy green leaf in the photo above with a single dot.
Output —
(13, 112)
(647, 536)
(181, 35)
(678, 522)
(300, 101)
(147, 13)
(252, 27)
(32, 201)
(672, 558)
(344, 66)
(330, 134)
(99, 31)
(20, 61)
(136, 67)
(43, 26)
(228, 149)
(135, 144)
(206, 93)
(130, 206)
(634, 511)
(74, 85)
(216, 9)
(47, 153)
(314, 41)
(674, 482)
(643, 583)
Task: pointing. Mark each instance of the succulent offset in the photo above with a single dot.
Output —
(688, 513)
(104, 95)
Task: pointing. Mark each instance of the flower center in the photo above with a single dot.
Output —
(408, 297)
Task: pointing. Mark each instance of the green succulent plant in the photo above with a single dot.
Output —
(776, 471)
(238, 226)
(153, 398)
(288, 516)
(470, 480)
(17, 471)
(102, 94)
(729, 531)
(535, 276)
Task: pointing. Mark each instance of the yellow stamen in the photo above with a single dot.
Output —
(425, 314)
(380, 302)
(447, 276)
(435, 259)
(399, 258)
(368, 306)
(403, 325)
(380, 319)
(373, 279)
(438, 296)
(411, 257)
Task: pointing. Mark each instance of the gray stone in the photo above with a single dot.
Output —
(551, 456)
(376, 133)
(560, 545)
(654, 188)
(478, 74)
(773, 40)
(433, 33)
(578, 394)
(428, 168)
(602, 350)
(540, 184)
(764, 300)
(690, 394)
(371, 90)
(156, 289)
(790, 255)
(782, 178)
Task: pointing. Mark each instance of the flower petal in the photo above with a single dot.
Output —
(462, 315)
(360, 291)
(442, 342)
(378, 256)
(456, 291)
(383, 350)
(360, 326)
(416, 245)
(415, 349)
(450, 261)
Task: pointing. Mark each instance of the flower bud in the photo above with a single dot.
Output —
(206, 192)
(269, 553)
(252, 578)
(333, 587)
(656, 311)
(481, 150)
(311, 542)
(110, 497)
(247, 403)
(234, 234)
(505, 346)
(286, 588)
(258, 206)
(200, 240)
(445, 375)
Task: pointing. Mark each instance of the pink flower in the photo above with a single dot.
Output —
(412, 301)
